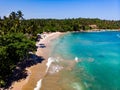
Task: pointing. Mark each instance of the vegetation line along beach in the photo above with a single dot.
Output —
(25, 45)
(34, 75)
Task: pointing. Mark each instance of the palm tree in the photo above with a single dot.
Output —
(19, 15)
(4, 17)
(13, 15)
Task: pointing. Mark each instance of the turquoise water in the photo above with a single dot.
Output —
(98, 53)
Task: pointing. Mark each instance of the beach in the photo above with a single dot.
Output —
(40, 78)
(37, 72)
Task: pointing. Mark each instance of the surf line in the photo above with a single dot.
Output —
(76, 59)
(39, 83)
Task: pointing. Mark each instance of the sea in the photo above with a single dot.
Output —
(84, 61)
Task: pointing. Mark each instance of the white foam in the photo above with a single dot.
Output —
(55, 69)
(50, 60)
(77, 86)
(76, 59)
(39, 84)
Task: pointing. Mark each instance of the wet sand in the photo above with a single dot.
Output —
(58, 80)
(37, 72)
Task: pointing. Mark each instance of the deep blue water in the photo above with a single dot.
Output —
(98, 54)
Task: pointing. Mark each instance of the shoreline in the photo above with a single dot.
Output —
(101, 30)
(33, 74)
(26, 84)
(96, 30)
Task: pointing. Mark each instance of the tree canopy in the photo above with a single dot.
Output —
(14, 45)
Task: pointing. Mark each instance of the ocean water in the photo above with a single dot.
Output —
(87, 60)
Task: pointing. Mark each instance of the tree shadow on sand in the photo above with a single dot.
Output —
(20, 72)
(41, 46)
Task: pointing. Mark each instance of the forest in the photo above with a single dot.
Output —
(18, 36)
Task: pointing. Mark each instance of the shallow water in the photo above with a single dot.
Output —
(88, 61)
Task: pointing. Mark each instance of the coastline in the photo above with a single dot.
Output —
(30, 83)
(97, 30)
(102, 30)
(37, 72)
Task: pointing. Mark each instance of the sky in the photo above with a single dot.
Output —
(60, 9)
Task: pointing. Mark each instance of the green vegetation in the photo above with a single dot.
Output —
(14, 48)
(63, 25)
(17, 36)
(14, 45)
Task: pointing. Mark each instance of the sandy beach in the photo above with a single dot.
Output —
(37, 72)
